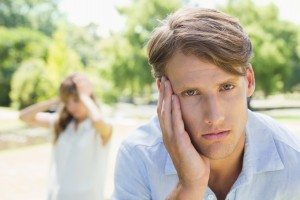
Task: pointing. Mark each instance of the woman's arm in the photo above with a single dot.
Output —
(101, 125)
(84, 88)
(35, 114)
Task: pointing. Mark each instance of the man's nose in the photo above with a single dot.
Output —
(213, 111)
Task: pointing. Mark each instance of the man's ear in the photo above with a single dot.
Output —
(250, 80)
(158, 82)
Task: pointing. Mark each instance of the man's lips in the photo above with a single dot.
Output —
(216, 135)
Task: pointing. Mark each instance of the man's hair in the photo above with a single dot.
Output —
(205, 33)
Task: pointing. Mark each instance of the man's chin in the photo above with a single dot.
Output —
(216, 151)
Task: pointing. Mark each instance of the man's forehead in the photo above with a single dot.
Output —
(204, 81)
(189, 70)
(188, 83)
(188, 63)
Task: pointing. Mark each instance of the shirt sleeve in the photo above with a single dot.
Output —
(130, 177)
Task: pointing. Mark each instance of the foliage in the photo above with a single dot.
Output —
(16, 45)
(126, 57)
(41, 15)
(274, 42)
(86, 43)
(61, 60)
(29, 88)
(25, 46)
(45, 75)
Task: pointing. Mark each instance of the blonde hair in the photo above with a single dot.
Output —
(205, 33)
(67, 90)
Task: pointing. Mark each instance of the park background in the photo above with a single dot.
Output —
(43, 41)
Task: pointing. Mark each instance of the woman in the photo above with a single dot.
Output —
(81, 141)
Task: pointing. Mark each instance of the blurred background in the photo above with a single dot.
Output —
(43, 41)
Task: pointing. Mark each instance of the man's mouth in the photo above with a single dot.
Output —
(216, 135)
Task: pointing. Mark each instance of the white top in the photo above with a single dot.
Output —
(271, 165)
(78, 166)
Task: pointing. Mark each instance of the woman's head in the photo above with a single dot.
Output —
(70, 98)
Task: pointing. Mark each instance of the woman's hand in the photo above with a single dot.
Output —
(83, 85)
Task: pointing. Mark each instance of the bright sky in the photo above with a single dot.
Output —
(103, 13)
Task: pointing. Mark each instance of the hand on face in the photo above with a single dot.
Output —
(83, 85)
(192, 168)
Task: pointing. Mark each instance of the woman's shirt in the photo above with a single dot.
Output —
(79, 161)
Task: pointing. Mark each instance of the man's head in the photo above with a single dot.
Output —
(205, 55)
(205, 33)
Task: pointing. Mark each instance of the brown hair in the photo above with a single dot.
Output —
(205, 33)
(67, 89)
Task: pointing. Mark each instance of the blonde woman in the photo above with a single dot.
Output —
(81, 140)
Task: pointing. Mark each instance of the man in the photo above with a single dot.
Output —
(205, 143)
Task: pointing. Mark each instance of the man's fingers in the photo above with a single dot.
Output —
(165, 115)
(181, 137)
(160, 94)
(177, 116)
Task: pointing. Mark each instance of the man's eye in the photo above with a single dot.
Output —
(227, 87)
(190, 92)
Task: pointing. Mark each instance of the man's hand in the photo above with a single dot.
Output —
(192, 168)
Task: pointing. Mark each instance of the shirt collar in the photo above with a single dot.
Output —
(260, 153)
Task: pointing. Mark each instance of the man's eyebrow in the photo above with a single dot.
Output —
(188, 87)
(229, 80)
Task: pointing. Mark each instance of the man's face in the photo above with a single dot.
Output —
(213, 103)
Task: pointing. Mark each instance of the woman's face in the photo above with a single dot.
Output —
(76, 108)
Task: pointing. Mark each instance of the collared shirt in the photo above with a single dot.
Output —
(79, 162)
(271, 164)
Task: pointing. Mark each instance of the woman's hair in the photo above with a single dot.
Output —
(67, 90)
(205, 33)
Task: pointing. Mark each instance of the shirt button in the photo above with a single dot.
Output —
(211, 197)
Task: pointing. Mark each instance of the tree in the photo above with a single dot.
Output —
(86, 42)
(41, 15)
(45, 74)
(274, 44)
(17, 45)
(29, 88)
(36, 38)
(126, 52)
(61, 60)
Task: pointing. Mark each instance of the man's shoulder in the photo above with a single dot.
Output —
(147, 135)
(287, 143)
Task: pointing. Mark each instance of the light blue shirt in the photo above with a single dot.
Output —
(271, 164)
